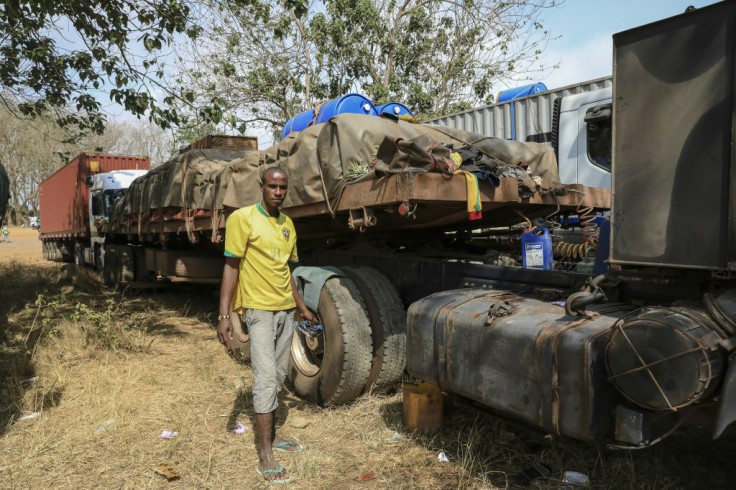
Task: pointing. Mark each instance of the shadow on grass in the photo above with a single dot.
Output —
(504, 454)
(20, 287)
(243, 406)
(35, 298)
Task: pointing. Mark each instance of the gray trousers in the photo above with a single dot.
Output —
(270, 343)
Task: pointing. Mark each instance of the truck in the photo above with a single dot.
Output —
(574, 120)
(75, 202)
(416, 268)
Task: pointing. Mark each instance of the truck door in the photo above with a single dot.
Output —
(594, 145)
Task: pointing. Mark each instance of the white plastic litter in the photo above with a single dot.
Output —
(30, 416)
(395, 438)
(575, 478)
(168, 434)
(442, 457)
(239, 428)
(105, 426)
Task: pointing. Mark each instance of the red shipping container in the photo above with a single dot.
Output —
(64, 196)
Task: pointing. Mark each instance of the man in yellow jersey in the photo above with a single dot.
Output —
(260, 241)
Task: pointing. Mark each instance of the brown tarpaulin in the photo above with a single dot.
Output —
(316, 160)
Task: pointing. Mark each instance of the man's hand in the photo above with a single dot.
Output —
(225, 333)
(308, 316)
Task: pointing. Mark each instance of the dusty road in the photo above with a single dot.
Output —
(24, 247)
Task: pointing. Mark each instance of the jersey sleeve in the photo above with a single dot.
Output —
(237, 230)
(294, 257)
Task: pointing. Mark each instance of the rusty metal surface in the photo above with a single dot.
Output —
(439, 188)
(416, 277)
(536, 365)
(437, 201)
(665, 358)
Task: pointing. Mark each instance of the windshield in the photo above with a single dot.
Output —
(110, 197)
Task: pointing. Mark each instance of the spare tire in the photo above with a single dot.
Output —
(199, 267)
(334, 367)
(240, 344)
(387, 317)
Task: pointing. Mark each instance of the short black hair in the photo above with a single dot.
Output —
(272, 170)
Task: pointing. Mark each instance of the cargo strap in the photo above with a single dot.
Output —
(317, 108)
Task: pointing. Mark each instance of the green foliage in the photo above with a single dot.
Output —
(53, 54)
(45, 311)
(265, 62)
(106, 325)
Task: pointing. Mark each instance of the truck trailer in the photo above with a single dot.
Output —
(71, 226)
(415, 267)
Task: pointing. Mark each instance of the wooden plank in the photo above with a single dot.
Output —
(223, 142)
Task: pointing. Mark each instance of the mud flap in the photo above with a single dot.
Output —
(726, 402)
(310, 280)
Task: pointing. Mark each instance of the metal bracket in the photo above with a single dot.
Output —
(361, 218)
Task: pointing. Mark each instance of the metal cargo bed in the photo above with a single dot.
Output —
(402, 202)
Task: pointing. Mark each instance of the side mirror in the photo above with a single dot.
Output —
(89, 181)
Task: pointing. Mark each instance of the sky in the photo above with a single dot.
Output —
(584, 48)
(582, 44)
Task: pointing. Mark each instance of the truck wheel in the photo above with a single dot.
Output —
(126, 263)
(111, 268)
(99, 264)
(333, 368)
(388, 324)
(78, 254)
(55, 252)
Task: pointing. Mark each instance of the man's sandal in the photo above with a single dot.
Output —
(283, 445)
(269, 474)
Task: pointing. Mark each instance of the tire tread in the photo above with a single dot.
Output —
(388, 322)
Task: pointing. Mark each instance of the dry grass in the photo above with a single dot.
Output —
(115, 369)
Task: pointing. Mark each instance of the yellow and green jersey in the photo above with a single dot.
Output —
(265, 246)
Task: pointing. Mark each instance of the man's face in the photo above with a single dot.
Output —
(275, 185)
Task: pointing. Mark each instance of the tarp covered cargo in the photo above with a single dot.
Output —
(317, 160)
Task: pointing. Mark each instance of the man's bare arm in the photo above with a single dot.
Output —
(300, 305)
(227, 287)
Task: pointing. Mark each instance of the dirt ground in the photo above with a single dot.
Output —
(91, 377)
(24, 247)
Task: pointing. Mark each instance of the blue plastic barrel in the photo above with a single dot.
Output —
(394, 108)
(299, 122)
(523, 91)
(347, 104)
(536, 249)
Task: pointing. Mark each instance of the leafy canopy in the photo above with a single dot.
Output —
(54, 55)
(261, 62)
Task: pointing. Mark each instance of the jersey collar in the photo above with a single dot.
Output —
(264, 212)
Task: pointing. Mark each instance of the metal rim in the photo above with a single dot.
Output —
(308, 353)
